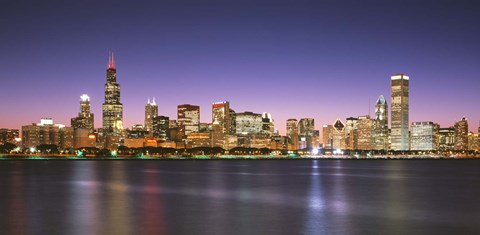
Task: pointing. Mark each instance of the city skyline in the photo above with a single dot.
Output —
(294, 64)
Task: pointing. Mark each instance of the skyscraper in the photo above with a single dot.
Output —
(364, 133)
(112, 108)
(380, 125)
(188, 119)
(160, 127)
(351, 134)
(151, 112)
(292, 133)
(399, 115)
(225, 116)
(85, 117)
(306, 128)
(423, 136)
(461, 134)
(338, 135)
(249, 123)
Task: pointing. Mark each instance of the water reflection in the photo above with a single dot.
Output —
(315, 218)
(16, 214)
(118, 215)
(153, 220)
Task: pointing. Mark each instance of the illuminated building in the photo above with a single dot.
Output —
(248, 123)
(423, 136)
(218, 135)
(472, 141)
(160, 127)
(351, 138)
(316, 139)
(380, 125)
(446, 139)
(225, 116)
(137, 132)
(292, 134)
(83, 138)
(364, 133)
(399, 113)
(268, 125)
(338, 135)
(112, 108)
(461, 134)
(188, 119)
(85, 118)
(327, 136)
(151, 112)
(66, 137)
(306, 128)
(198, 139)
(45, 132)
(8, 135)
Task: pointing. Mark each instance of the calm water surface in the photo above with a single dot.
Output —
(240, 197)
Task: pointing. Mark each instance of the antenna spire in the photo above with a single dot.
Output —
(111, 61)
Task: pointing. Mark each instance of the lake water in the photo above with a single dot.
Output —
(240, 197)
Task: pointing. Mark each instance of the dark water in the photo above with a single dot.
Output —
(240, 197)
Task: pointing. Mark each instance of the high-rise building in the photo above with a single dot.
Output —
(380, 125)
(112, 108)
(160, 127)
(338, 135)
(327, 136)
(351, 138)
(188, 119)
(268, 125)
(292, 134)
(399, 113)
(423, 136)
(364, 133)
(85, 117)
(8, 136)
(461, 134)
(151, 112)
(45, 132)
(306, 128)
(218, 135)
(248, 123)
(446, 139)
(225, 116)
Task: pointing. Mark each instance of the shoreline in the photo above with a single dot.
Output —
(226, 157)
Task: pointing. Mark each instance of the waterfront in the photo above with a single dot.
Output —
(240, 197)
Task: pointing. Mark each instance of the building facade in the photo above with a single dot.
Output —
(461, 134)
(85, 119)
(188, 119)
(364, 133)
(160, 127)
(151, 112)
(306, 129)
(423, 136)
(292, 134)
(248, 123)
(380, 125)
(400, 112)
(225, 116)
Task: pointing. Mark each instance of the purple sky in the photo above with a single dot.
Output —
(294, 59)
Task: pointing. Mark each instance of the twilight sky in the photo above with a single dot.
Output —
(294, 59)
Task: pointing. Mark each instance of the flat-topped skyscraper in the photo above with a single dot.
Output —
(112, 108)
(399, 115)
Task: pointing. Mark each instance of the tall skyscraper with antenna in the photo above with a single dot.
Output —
(112, 108)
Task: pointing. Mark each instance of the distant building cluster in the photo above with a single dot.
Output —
(229, 129)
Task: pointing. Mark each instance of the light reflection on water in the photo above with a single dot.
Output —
(248, 197)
